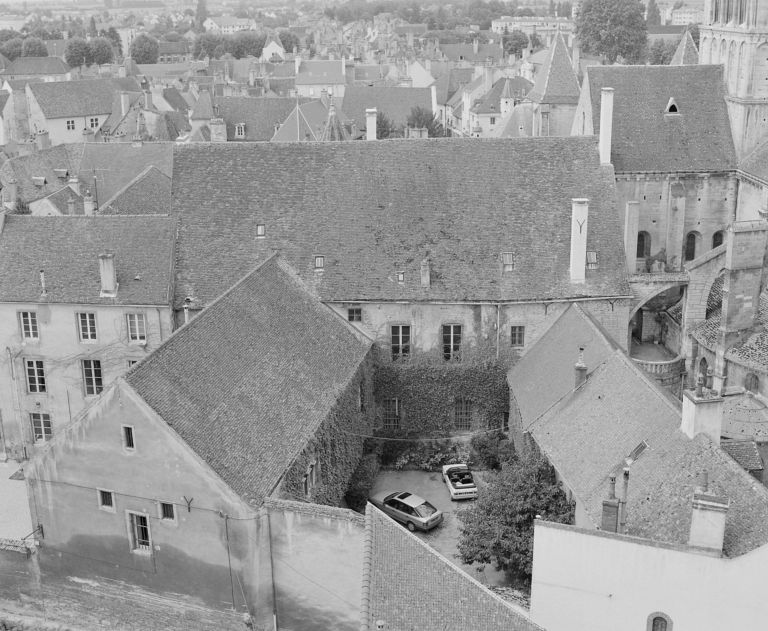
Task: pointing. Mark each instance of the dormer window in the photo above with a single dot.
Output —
(240, 130)
(507, 262)
(38, 180)
(261, 231)
(592, 259)
(671, 107)
(319, 263)
(61, 173)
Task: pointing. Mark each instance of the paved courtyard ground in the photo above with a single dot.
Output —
(15, 519)
(444, 538)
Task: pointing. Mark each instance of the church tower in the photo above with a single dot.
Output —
(735, 34)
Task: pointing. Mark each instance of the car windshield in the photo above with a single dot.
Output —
(425, 510)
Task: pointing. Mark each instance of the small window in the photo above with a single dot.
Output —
(41, 426)
(401, 277)
(507, 262)
(451, 342)
(659, 622)
(517, 336)
(462, 414)
(261, 231)
(752, 383)
(132, 362)
(87, 326)
(167, 511)
(28, 322)
(138, 527)
(240, 130)
(493, 120)
(137, 327)
(643, 245)
(94, 122)
(106, 500)
(92, 380)
(128, 440)
(70, 125)
(672, 107)
(355, 314)
(319, 262)
(392, 413)
(35, 376)
(717, 239)
(591, 259)
(690, 245)
(401, 342)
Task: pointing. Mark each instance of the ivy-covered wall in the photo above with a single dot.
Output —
(334, 452)
(427, 390)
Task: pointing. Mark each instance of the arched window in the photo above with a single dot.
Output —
(643, 245)
(752, 383)
(690, 245)
(659, 624)
(703, 367)
(658, 621)
(717, 238)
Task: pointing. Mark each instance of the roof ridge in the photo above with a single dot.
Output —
(141, 175)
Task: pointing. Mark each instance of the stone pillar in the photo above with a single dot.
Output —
(631, 220)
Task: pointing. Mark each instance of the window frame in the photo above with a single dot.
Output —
(108, 508)
(125, 432)
(161, 512)
(517, 332)
(97, 385)
(355, 314)
(136, 334)
(261, 231)
(659, 615)
(71, 124)
(31, 323)
(507, 262)
(452, 348)
(240, 130)
(136, 545)
(90, 320)
(401, 349)
(392, 422)
(462, 414)
(40, 381)
(93, 122)
(319, 262)
(43, 436)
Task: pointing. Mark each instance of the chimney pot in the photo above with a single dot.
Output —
(579, 215)
(108, 276)
(606, 124)
(702, 413)
(708, 515)
(370, 123)
(580, 368)
(610, 517)
(43, 290)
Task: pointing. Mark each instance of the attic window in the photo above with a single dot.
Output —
(671, 107)
(401, 277)
(38, 181)
(507, 262)
(240, 130)
(261, 231)
(591, 259)
(319, 263)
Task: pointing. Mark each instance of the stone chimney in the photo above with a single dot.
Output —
(708, 517)
(74, 184)
(108, 275)
(89, 204)
(10, 194)
(631, 222)
(579, 214)
(580, 369)
(125, 103)
(147, 100)
(218, 130)
(296, 64)
(370, 123)
(702, 412)
(476, 46)
(43, 140)
(610, 518)
(606, 124)
(426, 279)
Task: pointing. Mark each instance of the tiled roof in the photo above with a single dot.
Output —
(412, 586)
(67, 248)
(275, 361)
(395, 102)
(551, 361)
(58, 99)
(449, 82)
(755, 163)
(588, 435)
(312, 72)
(173, 48)
(745, 453)
(373, 72)
(305, 122)
(519, 123)
(466, 52)
(37, 65)
(60, 199)
(745, 416)
(556, 81)
(508, 87)
(64, 158)
(686, 54)
(715, 297)
(173, 97)
(708, 331)
(148, 194)
(399, 200)
(260, 114)
(203, 109)
(697, 139)
(171, 125)
(113, 165)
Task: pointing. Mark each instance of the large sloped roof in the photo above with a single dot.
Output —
(412, 586)
(556, 81)
(376, 208)
(259, 114)
(55, 165)
(148, 194)
(248, 381)
(67, 249)
(37, 65)
(395, 102)
(686, 54)
(58, 99)
(695, 139)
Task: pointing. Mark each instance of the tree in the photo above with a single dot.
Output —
(535, 41)
(245, 43)
(498, 527)
(515, 42)
(77, 52)
(172, 36)
(114, 38)
(205, 44)
(289, 41)
(145, 49)
(33, 47)
(653, 15)
(660, 53)
(12, 48)
(101, 51)
(92, 27)
(613, 29)
(385, 128)
(201, 15)
(422, 117)
(8, 34)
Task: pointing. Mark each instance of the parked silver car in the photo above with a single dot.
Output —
(409, 509)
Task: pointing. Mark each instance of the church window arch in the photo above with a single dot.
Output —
(643, 244)
(718, 238)
(659, 621)
(692, 240)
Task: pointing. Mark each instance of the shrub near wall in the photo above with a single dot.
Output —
(427, 392)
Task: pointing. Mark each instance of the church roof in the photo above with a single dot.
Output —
(686, 54)
(556, 82)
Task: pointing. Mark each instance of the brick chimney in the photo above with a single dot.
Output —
(89, 204)
(606, 124)
(610, 518)
(579, 214)
(108, 275)
(580, 368)
(370, 123)
(708, 517)
(702, 412)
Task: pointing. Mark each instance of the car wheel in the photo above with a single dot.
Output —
(410, 526)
